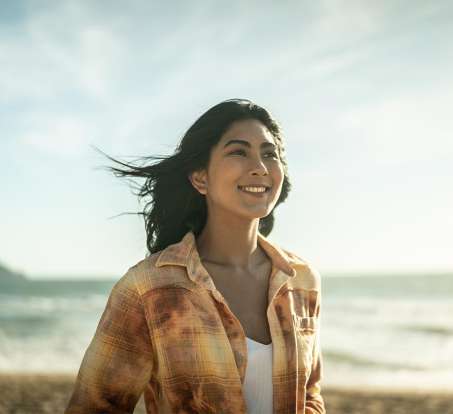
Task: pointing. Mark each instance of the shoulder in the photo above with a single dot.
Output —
(144, 275)
(127, 283)
(307, 275)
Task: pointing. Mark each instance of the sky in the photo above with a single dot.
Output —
(363, 91)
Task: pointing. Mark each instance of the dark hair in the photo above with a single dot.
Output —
(176, 206)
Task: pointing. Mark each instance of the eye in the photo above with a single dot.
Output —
(237, 151)
(273, 153)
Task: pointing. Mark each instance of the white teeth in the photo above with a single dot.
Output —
(254, 189)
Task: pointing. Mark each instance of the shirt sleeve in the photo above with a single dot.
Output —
(314, 400)
(118, 362)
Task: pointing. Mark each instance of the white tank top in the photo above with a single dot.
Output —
(258, 378)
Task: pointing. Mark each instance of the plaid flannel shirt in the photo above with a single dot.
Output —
(167, 332)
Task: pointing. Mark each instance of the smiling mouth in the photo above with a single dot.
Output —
(255, 193)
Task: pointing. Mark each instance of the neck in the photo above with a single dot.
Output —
(232, 244)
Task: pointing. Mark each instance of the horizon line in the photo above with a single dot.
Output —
(325, 273)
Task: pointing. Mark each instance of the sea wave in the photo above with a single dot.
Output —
(365, 338)
(335, 357)
(430, 329)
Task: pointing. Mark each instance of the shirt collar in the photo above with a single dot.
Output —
(185, 253)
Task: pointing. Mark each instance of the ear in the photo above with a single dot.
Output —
(199, 181)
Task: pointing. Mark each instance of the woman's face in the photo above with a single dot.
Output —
(246, 155)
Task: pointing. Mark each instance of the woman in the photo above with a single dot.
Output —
(217, 318)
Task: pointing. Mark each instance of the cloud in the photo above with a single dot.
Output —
(56, 53)
(61, 136)
(404, 128)
(87, 74)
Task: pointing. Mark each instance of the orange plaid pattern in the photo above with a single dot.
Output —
(168, 333)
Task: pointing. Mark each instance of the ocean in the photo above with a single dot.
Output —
(377, 331)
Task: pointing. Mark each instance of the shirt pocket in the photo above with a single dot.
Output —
(306, 330)
(306, 324)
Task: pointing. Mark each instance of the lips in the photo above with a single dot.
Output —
(258, 194)
(255, 185)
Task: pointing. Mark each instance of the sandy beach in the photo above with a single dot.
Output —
(48, 394)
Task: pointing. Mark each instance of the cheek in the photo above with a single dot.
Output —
(277, 175)
(228, 172)
(233, 164)
(224, 179)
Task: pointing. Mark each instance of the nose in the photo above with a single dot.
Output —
(258, 167)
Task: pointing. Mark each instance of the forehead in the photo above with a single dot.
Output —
(251, 130)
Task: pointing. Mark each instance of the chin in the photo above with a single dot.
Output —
(256, 213)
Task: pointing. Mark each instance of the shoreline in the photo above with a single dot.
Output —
(40, 393)
(330, 388)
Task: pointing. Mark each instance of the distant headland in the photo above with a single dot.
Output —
(7, 276)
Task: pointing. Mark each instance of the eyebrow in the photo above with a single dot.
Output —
(247, 144)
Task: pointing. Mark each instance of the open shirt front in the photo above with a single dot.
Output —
(167, 332)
